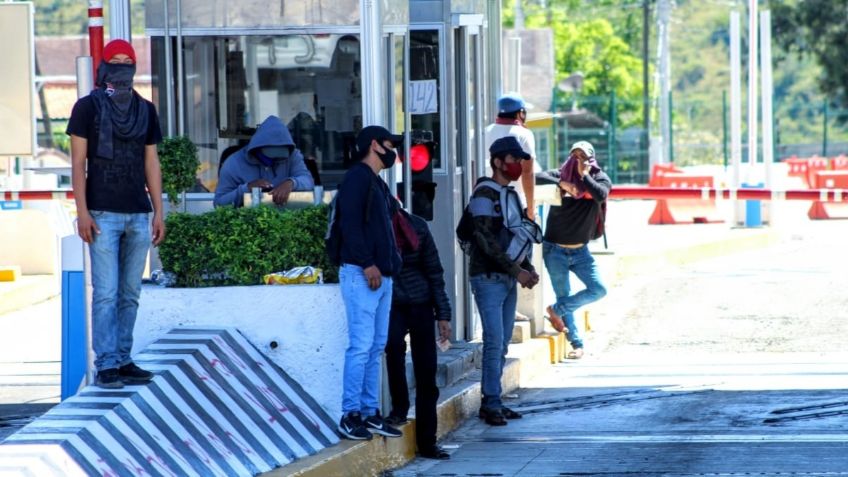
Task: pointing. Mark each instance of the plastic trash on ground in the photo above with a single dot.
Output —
(297, 275)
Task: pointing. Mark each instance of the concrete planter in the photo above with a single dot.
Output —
(305, 322)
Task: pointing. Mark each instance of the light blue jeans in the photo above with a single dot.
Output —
(367, 331)
(559, 262)
(496, 296)
(118, 254)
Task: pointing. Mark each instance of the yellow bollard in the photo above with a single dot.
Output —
(586, 325)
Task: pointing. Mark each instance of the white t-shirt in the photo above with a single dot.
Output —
(525, 138)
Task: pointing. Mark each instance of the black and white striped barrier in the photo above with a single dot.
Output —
(217, 407)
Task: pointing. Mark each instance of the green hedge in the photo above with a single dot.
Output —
(230, 246)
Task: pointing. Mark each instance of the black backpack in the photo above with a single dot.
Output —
(333, 236)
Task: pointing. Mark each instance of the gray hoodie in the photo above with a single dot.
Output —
(243, 167)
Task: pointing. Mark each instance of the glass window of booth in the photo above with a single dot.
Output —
(232, 83)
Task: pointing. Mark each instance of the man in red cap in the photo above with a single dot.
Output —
(114, 133)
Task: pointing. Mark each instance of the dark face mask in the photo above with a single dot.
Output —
(387, 158)
(117, 81)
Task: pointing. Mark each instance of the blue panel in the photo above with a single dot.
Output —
(74, 352)
(11, 205)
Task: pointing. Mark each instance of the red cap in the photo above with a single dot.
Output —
(117, 47)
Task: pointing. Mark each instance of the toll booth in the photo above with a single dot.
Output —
(430, 68)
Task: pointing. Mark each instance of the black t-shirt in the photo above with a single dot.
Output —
(114, 185)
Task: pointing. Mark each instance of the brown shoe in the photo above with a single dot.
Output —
(555, 320)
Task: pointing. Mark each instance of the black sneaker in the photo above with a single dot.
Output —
(351, 426)
(434, 452)
(378, 425)
(510, 414)
(109, 379)
(132, 374)
(394, 420)
(493, 417)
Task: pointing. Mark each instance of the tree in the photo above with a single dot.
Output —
(585, 42)
(816, 28)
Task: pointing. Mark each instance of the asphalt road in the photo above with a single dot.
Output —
(733, 366)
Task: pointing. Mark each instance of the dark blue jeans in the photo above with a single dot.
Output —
(118, 254)
(560, 261)
(496, 296)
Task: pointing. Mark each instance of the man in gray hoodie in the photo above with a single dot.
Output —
(270, 161)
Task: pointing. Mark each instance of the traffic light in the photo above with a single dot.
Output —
(421, 155)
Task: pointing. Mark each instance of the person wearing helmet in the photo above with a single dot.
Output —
(512, 112)
(584, 189)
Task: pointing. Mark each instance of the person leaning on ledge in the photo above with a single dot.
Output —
(270, 162)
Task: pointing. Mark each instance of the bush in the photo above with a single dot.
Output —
(230, 246)
(179, 162)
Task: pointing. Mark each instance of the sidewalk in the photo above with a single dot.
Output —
(635, 248)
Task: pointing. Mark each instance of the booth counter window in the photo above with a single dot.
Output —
(232, 83)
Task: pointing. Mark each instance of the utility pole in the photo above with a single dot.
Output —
(519, 16)
(664, 53)
(646, 85)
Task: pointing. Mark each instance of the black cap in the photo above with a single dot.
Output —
(508, 145)
(378, 133)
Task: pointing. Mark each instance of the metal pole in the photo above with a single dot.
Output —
(664, 10)
(169, 60)
(724, 126)
(611, 149)
(824, 136)
(513, 64)
(752, 86)
(767, 99)
(180, 76)
(95, 34)
(119, 20)
(85, 82)
(670, 128)
(372, 68)
(407, 121)
(735, 100)
(644, 161)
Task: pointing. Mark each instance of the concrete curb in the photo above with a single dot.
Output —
(371, 458)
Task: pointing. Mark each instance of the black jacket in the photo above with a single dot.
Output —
(575, 221)
(364, 220)
(421, 280)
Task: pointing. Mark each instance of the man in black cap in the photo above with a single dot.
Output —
(500, 257)
(369, 259)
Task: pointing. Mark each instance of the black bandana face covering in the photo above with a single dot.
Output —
(117, 82)
(122, 114)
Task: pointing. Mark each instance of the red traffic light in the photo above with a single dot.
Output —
(419, 157)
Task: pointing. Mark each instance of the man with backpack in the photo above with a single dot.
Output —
(584, 189)
(369, 259)
(500, 239)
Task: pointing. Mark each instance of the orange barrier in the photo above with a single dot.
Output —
(797, 166)
(815, 164)
(683, 211)
(839, 163)
(837, 180)
(660, 170)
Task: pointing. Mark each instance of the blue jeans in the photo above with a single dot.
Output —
(367, 330)
(560, 261)
(496, 296)
(118, 254)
